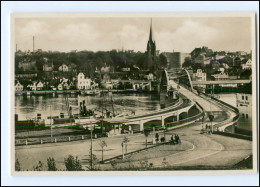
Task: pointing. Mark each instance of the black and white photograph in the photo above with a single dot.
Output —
(132, 92)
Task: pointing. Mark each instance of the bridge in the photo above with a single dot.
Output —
(221, 82)
(210, 104)
(191, 107)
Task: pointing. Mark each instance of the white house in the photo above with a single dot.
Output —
(60, 87)
(39, 85)
(150, 76)
(18, 86)
(36, 85)
(82, 82)
(220, 76)
(105, 69)
(222, 69)
(200, 75)
(64, 68)
(225, 66)
(33, 86)
(247, 65)
(125, 69)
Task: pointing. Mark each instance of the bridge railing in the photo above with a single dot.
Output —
(179, 102)
(187, 120)
(222, 125)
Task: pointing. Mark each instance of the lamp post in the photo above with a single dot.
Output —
(202, 120)
(164, 130)
(91, 148)
(122, 144)
(51, 123)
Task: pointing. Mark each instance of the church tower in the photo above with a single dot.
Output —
(151, 47)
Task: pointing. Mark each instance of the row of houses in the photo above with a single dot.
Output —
(48, 66)
(55, 84)
(201, 75)
(80, 82)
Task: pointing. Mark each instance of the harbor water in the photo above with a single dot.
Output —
(27, 107)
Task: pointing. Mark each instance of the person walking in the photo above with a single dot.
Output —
(172, 139)
(157, 137)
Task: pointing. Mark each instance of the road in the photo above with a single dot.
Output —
(208, 106)
(202, 150)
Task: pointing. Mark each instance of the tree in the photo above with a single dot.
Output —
(72, 164)
(125, 141)
(102, 145)
(146, 133)
(51, 164)
(163, 61)
(17, 165)
(93, 162)
(187, 62)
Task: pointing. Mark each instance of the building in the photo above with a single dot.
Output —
(47, 66)
(105, 69)
(241, 53)
(26, 75)
(151, 48)
(219, 76)
(36, 85)
(64, 68)
(18, 86)
(244, 105)
(27, 65)
(225, 65)
(82, 82)
(247, 65)
(202, 59)
(178, 59)
(202, 51)
(126, 69)
(199, 75)
(150, 76)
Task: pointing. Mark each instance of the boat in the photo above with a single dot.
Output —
(92, 92)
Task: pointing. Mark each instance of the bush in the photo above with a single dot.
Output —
(17, 165)
(72, 164)
(51, 164)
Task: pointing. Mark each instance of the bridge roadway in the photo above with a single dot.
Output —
(206, 104)
(209, 105)
(221, 82)
(184, 103)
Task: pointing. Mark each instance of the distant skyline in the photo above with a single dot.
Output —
(103, 34)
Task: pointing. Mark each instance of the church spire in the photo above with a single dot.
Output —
(151, 31)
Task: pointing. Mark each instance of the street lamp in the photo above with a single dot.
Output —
(202, 120)
(122, 144)
(51, 123)
(91, 148)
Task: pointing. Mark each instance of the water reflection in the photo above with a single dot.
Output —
(27, 107)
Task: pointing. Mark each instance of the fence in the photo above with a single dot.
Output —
(58, 139)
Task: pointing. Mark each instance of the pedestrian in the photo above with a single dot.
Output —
(178, 139)
(157, 137)
(172, 139)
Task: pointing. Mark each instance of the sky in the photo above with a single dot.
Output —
(103, 33)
